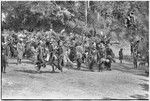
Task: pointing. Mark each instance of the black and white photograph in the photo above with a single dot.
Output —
(75, 50)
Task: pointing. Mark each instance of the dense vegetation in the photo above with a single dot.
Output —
(127, 19)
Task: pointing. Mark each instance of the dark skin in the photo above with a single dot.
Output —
(120, 55)
(3, 61)
(55, 62)
(135, 56)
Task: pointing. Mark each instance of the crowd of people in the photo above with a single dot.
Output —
(51, 48)
(45, 48)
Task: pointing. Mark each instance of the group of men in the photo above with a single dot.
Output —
(37, 50)
(139, 55)
(57, 53)
(95, 54)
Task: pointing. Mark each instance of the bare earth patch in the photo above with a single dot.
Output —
(22, 82)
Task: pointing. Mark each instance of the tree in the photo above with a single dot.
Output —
(106, 16)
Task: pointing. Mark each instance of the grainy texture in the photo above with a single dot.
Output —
(21, 81)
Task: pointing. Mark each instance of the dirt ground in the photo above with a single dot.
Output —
(123, 82)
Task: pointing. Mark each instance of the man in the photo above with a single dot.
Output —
(4, 58)
(20, 50)
(79, 60)
(10, 46)
(93, 58)
(56, 59)
(90, 60)
(135, 59)
(60, 50)
(131, 48)
(135, 53)
(50, 47)
(100, 52)
(109, 51)
(67, 62)
(79, 52)
(40, 59)
(100, 55)
(121, 55)
(110, 56)
(72, 53)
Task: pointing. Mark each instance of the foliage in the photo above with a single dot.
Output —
(106, 16)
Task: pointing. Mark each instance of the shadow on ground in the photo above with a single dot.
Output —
(145, 86)
(24, 61)
(12, 63)
(143, 74)
(122, 68)
(35, 72)
(107, 98)
(127, 69)
(137, 96)
(27, 62)
(83, 68)
(145, 80)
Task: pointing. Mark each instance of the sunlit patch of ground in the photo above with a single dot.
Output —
(123, 82)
